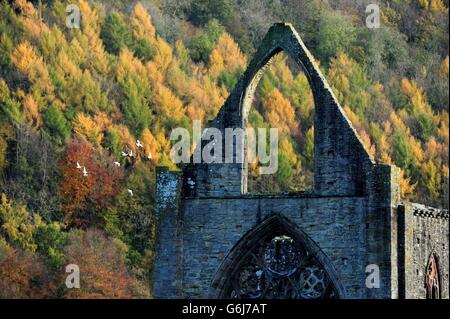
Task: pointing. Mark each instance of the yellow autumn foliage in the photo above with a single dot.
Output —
(406, 188)
(17, 224)
(141, 23)
(87, 129)
(90, 39)
(150, 145)
(167, 104)
(126, 138)
(129, 65)
(444, 68)
(31, 111)
(288, 150)
(31, 23)
(30, 64)
(226, 55)
(367, 143)
(163, 55)
(279, 112)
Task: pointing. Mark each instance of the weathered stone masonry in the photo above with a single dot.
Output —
(352, 218)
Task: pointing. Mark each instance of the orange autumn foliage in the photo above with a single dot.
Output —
(31, 111)
(279, 113)
(22, 275)
(82, 194)
(103, 268)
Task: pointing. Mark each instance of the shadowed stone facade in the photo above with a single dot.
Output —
(211, 231)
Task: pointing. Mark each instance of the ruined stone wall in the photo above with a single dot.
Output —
(341, 163)
(426, 232)
(352, 232)
(381, 228)
(213, 226)
(166, 276)
(352, 215)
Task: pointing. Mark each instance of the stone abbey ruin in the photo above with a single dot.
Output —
(216, 240)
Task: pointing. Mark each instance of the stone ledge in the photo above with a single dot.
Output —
(420, 210)
(269, 195)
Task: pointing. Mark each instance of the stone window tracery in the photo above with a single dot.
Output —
(278, 268)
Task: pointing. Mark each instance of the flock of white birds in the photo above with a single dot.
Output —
(124, 154)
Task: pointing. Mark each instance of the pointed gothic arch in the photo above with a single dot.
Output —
(281, 37)
(432, 281)
(276, 260)
(339, 154)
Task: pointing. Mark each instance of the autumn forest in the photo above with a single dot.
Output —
(86, 114)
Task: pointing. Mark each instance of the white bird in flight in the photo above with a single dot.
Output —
(117, 164)
(124, 154)
(85, 172)
(130, 192)
(139, 144)
(131, 153)
(191, 183)
(78, 165)
(149, 156)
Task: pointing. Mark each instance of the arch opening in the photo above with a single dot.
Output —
(276, 260)
(280, 96)
(432, 278)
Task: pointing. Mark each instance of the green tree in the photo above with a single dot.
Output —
(33, 176)
(136, 108)
(308, 151)
(17, 224)
(9, 21)
(8, 106)
(203, 11)
(133, 216)
(115, 34)
(229, 79)
(402, 152)
(6, 47)
(336, 33)
(203, 43)
(113, 142)
(284, 171)
(143, 50)
(426, 127)
(56, 124)
(50, 241)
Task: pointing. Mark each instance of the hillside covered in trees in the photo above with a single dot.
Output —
(76, 188)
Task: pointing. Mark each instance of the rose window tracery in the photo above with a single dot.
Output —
(280, 268)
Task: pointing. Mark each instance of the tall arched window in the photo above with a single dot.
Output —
(276, 261)
(283, 100)
(432, 280)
